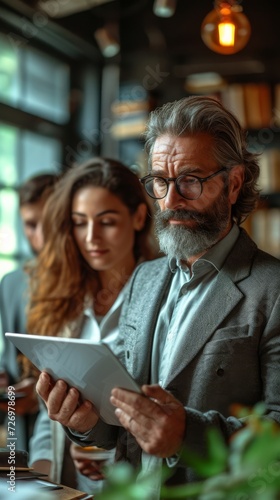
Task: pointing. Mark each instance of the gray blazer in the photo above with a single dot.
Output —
(231, 352)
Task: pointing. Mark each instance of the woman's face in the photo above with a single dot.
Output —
(104, 229)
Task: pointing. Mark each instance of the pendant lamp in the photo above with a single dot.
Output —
(226, 30)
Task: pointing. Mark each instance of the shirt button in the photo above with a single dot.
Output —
(220, 372)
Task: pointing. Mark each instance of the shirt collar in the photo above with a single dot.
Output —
(215, 255)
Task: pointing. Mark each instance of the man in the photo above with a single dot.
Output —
(33, 194)
(200, 328)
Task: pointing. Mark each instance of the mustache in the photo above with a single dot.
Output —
(179, 214)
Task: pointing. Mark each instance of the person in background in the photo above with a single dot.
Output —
(200, 327)
(97, 228)
(33, 194)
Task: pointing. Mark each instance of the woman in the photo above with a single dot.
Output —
(97, 228)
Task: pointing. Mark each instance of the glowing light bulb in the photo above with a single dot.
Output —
(226, 34)
(225, 29)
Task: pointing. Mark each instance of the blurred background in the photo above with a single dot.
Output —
(79, 77)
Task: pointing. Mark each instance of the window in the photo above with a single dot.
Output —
(45, 89)
(9, 72)
(22, 154)
(34, 82)
(37, 84)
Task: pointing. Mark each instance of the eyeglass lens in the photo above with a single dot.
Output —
(188, 187)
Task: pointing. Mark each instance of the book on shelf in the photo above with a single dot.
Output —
(251, 103)
(263, 226)
(130, 112)
(265, 102)
(275, 169)
(265, 181)
(233, 99)
(252, 106)
(276, 107)
(274, 231)
(128, 107)
(269, 161)
(129, 126)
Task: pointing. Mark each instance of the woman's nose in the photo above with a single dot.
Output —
(91, 232)
(36, 238)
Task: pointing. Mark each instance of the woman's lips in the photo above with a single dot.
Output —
(95, 253)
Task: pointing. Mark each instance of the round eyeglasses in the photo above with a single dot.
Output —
(188, 186)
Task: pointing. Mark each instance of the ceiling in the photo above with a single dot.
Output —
(173, 45)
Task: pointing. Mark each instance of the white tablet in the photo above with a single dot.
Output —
(90, 367)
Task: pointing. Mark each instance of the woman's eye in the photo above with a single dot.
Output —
(106, 222)
(79, 223)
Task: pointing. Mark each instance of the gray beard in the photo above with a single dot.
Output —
(182, 242)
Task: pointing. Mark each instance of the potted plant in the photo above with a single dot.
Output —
(247, 469)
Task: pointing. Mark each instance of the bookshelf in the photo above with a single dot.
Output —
(257, 106)
(129, 116)
(130, 112)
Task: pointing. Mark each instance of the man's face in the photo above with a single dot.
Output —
(31, 215)
(188, 228)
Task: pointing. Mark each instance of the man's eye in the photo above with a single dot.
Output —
(159, 182)
(188, 180)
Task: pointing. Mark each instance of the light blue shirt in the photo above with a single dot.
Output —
(103, 328)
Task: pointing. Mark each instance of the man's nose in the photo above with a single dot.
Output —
(173, 199)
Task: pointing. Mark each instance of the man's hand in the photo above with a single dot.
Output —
(156, 419)
(64, 404)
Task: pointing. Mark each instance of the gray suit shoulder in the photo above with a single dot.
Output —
(150, 271)
(266, 257)
(145, 275)
(13, 277)
(261, 258)
(152, 266)
(13, 286)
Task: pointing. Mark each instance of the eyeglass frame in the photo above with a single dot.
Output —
(167, 181)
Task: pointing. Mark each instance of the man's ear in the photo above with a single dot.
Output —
(236, 180)
(140, 217)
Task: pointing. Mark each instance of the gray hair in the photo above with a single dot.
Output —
(193, 115)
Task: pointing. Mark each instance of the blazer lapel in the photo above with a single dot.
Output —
(224, 295)
(140, 318)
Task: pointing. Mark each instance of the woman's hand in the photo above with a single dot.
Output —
(86, 466)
